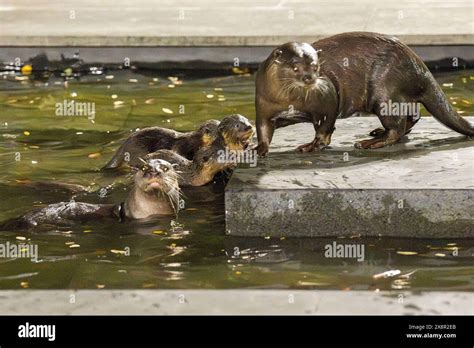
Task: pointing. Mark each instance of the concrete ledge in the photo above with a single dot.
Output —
(220, 41)
(228, 23)
(422, 187)
(233, 302)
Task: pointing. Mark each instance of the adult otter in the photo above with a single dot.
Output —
(151, 139)
(155, 192)
(343, 75)
(233, 130)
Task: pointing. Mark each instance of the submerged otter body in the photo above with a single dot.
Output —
(343, 75)
(151, 139)
(155, 192)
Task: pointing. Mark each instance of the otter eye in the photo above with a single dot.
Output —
(165, 169)
(237, 125)
(295, 69)
(205, 159)
(144, 168)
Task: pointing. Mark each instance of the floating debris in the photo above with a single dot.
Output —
(116, 251)
(72, 246)
(150, 101)
(387, 274)
(118, 104)
(20, 238)
(174, 80)
(407, 253)
(209, 96)
(114, 96)
(167, 111)
(407, 275)
(109, 77)
(26, 133)
(450, 85)
(133, 80)
(94, 155)
(159, 232)
(26, 69)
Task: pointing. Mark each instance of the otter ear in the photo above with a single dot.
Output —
(277, 53)
(175, 166)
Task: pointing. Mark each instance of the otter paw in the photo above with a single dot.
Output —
(262, 149)
(377, 131)
(310, 147)
(370, 144)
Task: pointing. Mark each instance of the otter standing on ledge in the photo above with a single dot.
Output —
(343, 75)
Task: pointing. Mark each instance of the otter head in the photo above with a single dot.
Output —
(236, 131)
(156, 176)
(208, 131)
(207, 163)
(296, 65)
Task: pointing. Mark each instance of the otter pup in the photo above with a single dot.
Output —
(151, 139)
(155, 192)
(198, 172)
(343, 75)
(234, 131)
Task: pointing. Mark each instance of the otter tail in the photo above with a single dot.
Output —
(437, 104)
(117, 160)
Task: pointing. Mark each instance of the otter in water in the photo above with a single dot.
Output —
(343, 75)
(151, 139)
(155, 192)
(198, 172)
(232, 130)
(235, 133)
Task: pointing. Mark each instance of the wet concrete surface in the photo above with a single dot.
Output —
(422, 187)
(219, 302)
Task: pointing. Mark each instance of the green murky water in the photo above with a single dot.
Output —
(37, 145)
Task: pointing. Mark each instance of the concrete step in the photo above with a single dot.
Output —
(227, 23)
(422, 187)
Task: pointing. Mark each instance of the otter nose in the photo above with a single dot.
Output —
(308, 79)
